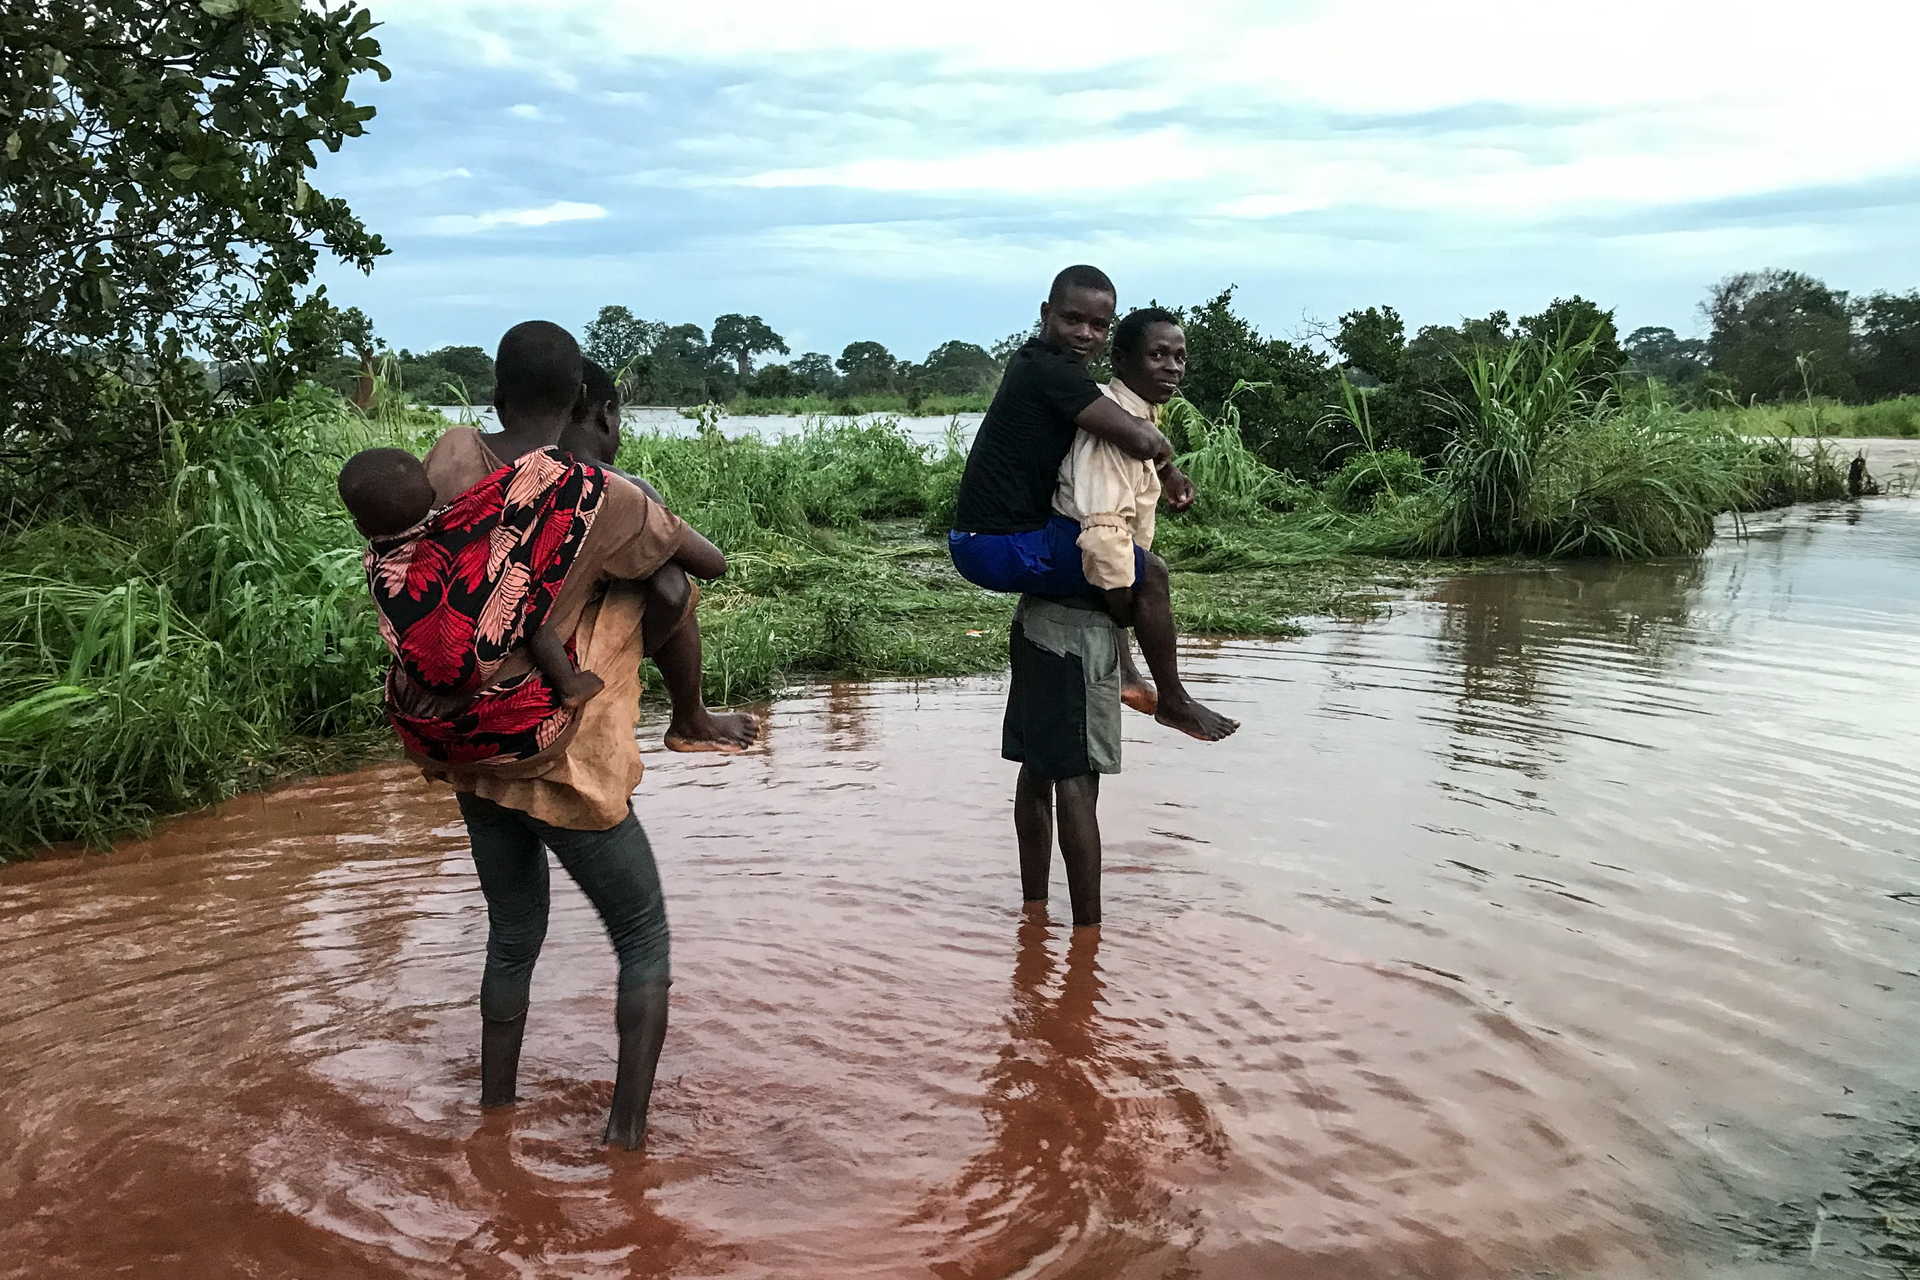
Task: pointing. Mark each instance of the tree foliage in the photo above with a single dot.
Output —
(154, 157)
(1657, 352)
(620, 342)
(1568, 322)
(957, 369)
(815, 369)
(1777, 333)
(1373, 341)
(741, 338)
(1281, 416)
(1888, 344)
(867, 367)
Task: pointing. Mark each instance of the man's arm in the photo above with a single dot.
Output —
(1135, 437)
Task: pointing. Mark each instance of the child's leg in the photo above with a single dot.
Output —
(1153, 622)
(549, 652)
(672, 633)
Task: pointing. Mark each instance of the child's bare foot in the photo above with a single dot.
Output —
(703, 730)
(578, 689)
(1195, 720)
(1141, 696)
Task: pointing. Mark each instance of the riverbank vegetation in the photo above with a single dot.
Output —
(217, 635)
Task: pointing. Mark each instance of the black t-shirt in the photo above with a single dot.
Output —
(1015, 461)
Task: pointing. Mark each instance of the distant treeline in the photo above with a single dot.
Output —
(1771, 336)
(684, 364)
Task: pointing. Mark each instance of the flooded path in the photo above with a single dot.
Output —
(1528, 931)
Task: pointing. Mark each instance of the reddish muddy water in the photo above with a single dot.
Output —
(1532, 930)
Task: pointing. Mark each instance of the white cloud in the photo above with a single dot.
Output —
(1399, 141)
(1660, 103)
(460, 224)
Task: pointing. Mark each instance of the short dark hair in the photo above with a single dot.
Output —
(386, 491)
(1080, 277)
(538, 368)
(1131, 333)
(600, 388)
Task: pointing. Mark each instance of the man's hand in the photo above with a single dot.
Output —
(1176, 488)
(1120, 605)
(1162, 453)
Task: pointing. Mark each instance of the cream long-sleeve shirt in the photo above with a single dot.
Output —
(1112, 496)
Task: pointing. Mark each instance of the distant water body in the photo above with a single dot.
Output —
(642, 419)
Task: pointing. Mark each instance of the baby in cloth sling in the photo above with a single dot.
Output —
(474, 601)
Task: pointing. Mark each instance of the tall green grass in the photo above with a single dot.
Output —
(154, 664)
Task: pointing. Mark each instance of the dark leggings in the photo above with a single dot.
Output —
(614, 868)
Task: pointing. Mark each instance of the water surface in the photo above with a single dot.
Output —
(1532, 930)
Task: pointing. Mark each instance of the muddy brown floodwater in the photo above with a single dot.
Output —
(1529, 930)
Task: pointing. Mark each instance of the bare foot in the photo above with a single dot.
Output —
(1195, 720)
(578, 689)
(1141, 696)
(704, 730)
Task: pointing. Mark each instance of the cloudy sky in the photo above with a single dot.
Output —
(906, 172)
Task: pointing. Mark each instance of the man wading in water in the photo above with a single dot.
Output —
(525, 538)
(1067, 647)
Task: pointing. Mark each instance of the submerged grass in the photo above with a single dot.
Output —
(204, 646)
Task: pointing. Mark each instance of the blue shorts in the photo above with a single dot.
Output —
(1043, 562)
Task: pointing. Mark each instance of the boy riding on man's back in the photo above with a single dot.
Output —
(1057, 504)
(1007, 535)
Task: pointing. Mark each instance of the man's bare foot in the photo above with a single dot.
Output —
(704, 730)
(578, 689)
(1141, 696)
(1195, 720)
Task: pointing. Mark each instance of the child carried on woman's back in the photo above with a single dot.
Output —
(387, 493)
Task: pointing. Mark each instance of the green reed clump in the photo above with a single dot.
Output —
(1544, 460)
(1233, 481)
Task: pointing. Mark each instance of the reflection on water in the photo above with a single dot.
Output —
(1532, 930)
(1509, 636)
(1083, 1123)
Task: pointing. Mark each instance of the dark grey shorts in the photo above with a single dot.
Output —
(1063, 706)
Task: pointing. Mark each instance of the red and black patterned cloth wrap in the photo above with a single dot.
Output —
(460, 591)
